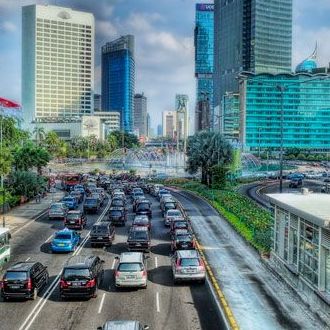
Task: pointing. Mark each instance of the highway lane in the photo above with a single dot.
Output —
(162, 305)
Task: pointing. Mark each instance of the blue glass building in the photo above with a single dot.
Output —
(306, 111)
(118, 79)
(204, 44)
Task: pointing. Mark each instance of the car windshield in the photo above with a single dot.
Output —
(115, 213)
(130, 267)
(180, 224)
(139, 235)
(174, 213)
(139, 193)
(143, 206)
(91, 201)
(100, 230)
(117, 202)
(189, 262)
(73, 216)
(15, 276)
(140, 221)
(63, 236)
(73, 274)
(170, 205)
(56, 206)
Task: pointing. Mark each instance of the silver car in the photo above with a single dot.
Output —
(131, 270)
(57, 211)
(187, 265)
(123, 325)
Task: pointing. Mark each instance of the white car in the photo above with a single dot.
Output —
(171, 215)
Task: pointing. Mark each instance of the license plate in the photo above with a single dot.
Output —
(61, 244)
(138, 244)
(73, 222)
(130, 277)
(191, 271)
(14, 286)
(99, 238)
(76, 284)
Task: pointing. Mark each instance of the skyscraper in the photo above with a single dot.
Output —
(169, 124)
(140, 114)
(204, 45)
(253, 36)
(118, 79)
(57, 62)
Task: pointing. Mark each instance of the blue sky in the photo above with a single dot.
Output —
(164, 42)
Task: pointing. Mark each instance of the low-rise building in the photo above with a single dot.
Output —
(301, 244)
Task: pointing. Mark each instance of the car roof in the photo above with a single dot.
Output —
(140, 228)
(131, 256)
(187, 254)
(102, 224)
(21, 266)
(80, 261)
(75, 212)
(64, 231)
(116, 208)
(121, 325)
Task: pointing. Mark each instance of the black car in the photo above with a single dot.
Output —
(24, 280)
(102, 233)
(143, 207)
(92, 205)
(81, 277)
(117, 202)
(182, 240)
(75, 220)
(295, 183)
(117, 216)
(139, 239)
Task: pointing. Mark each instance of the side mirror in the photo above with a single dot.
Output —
(117, 258)
(102, 261)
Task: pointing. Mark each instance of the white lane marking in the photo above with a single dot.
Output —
(29, 223)
(157, 302)
(156, 262)
(113, 264)
(101, 304)
(27, 259)
(41, 303)
(49, 238)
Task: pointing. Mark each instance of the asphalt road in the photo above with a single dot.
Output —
(162, 305)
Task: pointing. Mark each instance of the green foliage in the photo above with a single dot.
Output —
(6, 160)
(123, 139)
(10, 199)
(25, 183)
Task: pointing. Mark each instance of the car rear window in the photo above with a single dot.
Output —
(143, 206)
(130, 267)
(139, 235)
(140, 222)
(91, 201)
(170, 205)
(63, 236)
(174, 213)
(189, 262)
(16, 276)
(115, 213)
(183, 238)
(73, 274)
(56, 206)
(180, 224)
(100, 230)
(73, 216)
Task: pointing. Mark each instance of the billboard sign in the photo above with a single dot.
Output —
(205, 7)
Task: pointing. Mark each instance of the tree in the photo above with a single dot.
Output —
(130, 140)
(6, 160)
(205, 150)
(39, 133)
(52, 142)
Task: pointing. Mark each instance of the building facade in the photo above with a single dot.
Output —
(253, 36)
(97, 102)
(118, 79)
(140, 114)
(301, 244)
(231, 117)
(305, 102)
(149, 132)
(57, 62)
(169, 124)
(204, 45)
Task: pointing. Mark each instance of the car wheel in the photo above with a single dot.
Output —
(35, 294)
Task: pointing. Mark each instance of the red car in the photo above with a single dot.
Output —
(75, 220)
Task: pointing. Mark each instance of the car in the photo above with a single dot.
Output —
(65, 240)
(70, 202)
(296, 175)
(101, 191)
(168, 205)
(117, 202)
(78, 195)
(131, 270)
(75, 220)
(143, 207)
(137, 194)
(154, 190)
(98, 196)
(326, 180)
(137, 200)
(164, 199)
(91, 205)
(117, 216)
(187, 265)
(120, 325)
(182, 240)
(295, 183)
(24, 280)
(81, 277)
(139, 239)
(80, 188)
(141, 221)
(162, 192)
(102, 233)
(57, 211)
(179, 223)
(172, 214)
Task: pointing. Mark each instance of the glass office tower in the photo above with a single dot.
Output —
(118, 79)
(204, 44)
(306, 111)
(250, 35)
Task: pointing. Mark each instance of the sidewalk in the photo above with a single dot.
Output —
(19, 216)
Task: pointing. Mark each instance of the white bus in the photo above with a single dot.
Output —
(4, 246)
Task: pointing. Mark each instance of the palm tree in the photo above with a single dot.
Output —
(39, 133)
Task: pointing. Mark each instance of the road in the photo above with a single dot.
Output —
(162, 305)
(258, 298)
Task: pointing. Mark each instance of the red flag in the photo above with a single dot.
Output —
(8, 104)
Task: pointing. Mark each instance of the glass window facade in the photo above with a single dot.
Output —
(118, 79)
(306, 111)
(231, 118)
(204, 45)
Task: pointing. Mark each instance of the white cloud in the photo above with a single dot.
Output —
(106, 30)
(8, 26)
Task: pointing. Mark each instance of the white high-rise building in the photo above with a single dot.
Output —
(57, 63)
(169, 124)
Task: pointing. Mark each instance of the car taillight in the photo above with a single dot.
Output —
(144, 274)
(2, 284)
(117, 273)
(201, 264)
(64, 284)
(91, 283)
(29, 284)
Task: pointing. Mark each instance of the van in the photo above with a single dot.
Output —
(131, 270)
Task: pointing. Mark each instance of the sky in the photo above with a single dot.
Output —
(164, 50)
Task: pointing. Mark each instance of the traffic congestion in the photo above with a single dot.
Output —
(101, 221)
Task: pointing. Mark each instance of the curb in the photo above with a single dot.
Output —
(219, 293)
